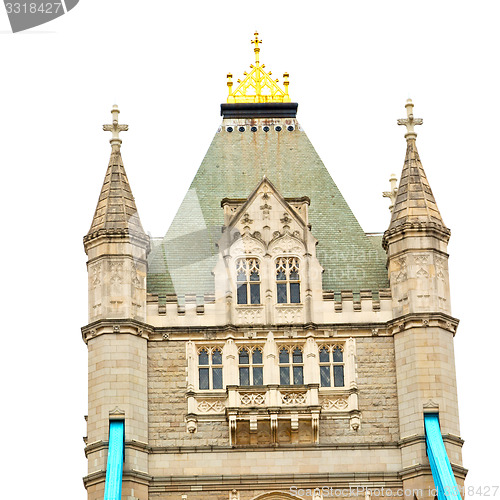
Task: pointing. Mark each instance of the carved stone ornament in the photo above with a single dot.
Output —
(287, 244)
(355, 422)
(234, 495)
(247, 245)
(402, 275)
(335, 404)
(440, 268)
(431, 404)
(135, 279)
(253, 398)
(191, 425)
(115, 269)
(249, 316)
(289, 314)
(116, 412)
(96, 273)
(165, 335)
(246, 219)
(211, 407)
(293, 398)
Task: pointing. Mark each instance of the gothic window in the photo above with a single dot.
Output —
(248, 281)
(250, 366)
(331, 366)
(287, 280)
(210, 368)
(291, 366)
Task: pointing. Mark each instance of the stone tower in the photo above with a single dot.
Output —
(422, 327)
(117, 248)
(267, 347)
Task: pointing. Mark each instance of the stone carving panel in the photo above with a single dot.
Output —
(334, 404)
(253, 398)
(250, 316)
(289, 314)
(210, 407)
(402, 275)
(293, 398)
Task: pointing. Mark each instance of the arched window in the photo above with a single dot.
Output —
(331, 366)
(248, 281)
(210, 368)
(287, 280)
(291, 366)
(251, 366)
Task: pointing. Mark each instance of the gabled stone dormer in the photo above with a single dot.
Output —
(267, 269)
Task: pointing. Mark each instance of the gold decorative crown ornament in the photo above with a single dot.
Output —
(258, 86)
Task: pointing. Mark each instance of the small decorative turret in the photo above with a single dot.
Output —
(116, 243)
(416, 240)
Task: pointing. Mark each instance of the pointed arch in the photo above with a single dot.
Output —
(276, 495)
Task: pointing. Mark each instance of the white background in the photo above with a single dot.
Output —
(352, 66)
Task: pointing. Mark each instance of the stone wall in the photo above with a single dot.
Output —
(376, 379)
(167, 386)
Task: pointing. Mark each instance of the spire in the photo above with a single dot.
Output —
(116, 212)
(257, 86)
(415, 203)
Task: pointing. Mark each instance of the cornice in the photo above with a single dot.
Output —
(420, 438)
(120, 325)
(267, 481)
(327, 331)
(282, 447)
(425, 469)
(422, 320)
(415, 229)
(128, 475)
(97, 446)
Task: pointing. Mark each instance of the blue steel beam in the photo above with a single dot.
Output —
(444, 479)
(114, 468)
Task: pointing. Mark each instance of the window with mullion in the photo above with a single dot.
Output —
(331, 366)
(251, 366)
(291, 366)
(287, 280)
(248, 281)
(210, 369)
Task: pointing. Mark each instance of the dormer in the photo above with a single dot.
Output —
(267, 267)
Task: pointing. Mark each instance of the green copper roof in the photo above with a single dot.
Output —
(232, 168)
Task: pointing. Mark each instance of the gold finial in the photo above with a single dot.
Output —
(115, 129)
(256, 41)
(257, 86)
(410, 122)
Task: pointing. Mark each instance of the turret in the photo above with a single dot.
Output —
(417, 238)
(116, 336)
(423, 328)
